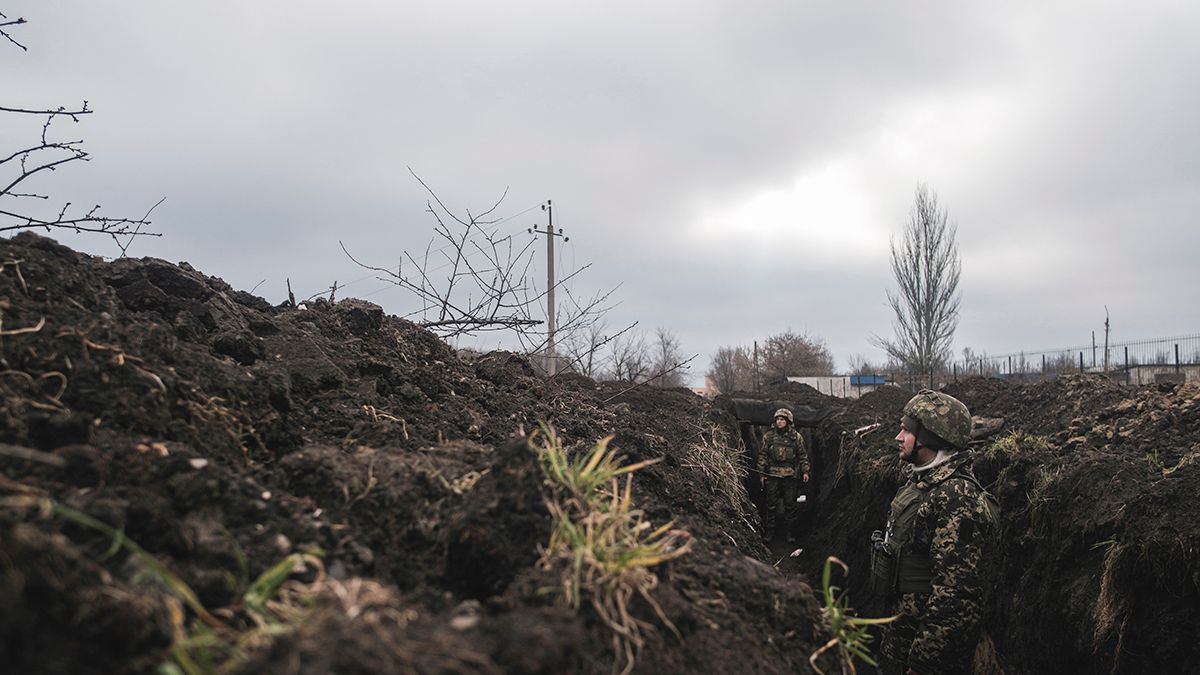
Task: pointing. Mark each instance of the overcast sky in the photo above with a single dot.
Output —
(738, 167)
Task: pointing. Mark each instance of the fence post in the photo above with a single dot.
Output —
(1043, 365)
(1127, 364)
(1081, 362)
(1177, 357)
(1010, 365)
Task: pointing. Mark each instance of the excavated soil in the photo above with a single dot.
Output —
(222, 434)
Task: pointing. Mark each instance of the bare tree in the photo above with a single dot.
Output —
(666, 360)
(794, 354)
(629, 357)
(22, 204)
(861, 365)
(926, 266)
(732, 369)
(581, 350)
(478, 281)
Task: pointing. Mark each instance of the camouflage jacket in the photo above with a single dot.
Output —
(955, 528)
(783, 453)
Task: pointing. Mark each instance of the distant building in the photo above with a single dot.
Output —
(843, 386)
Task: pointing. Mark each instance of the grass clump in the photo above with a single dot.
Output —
(721, 465)
(602, 546)
(851, 634)
(1014, 442)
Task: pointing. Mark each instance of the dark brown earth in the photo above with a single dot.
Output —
(222, 434)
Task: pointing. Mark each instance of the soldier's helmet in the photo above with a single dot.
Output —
(785, 414)
(941, 414)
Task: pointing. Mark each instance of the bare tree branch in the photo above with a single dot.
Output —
(672, 368)
(5, 22)
(22, 166)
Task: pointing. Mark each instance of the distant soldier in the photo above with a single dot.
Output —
(782, 464)
(929, 562)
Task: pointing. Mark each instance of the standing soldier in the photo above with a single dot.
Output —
(940, 531)
(782, 463)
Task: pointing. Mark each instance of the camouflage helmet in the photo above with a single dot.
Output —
(941, 414)
(785, 414)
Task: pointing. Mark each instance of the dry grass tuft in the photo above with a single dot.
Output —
(600, 544)
(721, 465)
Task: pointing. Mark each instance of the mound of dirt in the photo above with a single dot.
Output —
(223, 435)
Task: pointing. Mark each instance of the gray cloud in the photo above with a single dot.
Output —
(698, 153)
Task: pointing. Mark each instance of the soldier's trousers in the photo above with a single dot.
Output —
(899, 635)
(779, 504)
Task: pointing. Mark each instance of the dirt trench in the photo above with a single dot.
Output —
(223, 435)
(146, 404)
(1098, 488)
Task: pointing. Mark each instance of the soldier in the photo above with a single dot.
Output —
(940, 531)
(782, 458)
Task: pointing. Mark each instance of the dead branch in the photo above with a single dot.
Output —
(653, 377)
(18, 204)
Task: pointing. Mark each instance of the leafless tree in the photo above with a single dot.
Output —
(731, 369)
(478, 281)
(665, 357)
(861, 365)
(581, 350)
(23, 204)
(926, 266)
(629, 357)
(794, 354)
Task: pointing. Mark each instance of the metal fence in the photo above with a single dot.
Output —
(1135, 362)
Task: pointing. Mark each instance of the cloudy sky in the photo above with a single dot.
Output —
(737, 167)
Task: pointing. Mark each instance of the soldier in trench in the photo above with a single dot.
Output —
(930, 561)
(782, 465)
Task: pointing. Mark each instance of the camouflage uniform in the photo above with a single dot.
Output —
(941, 533)
(954, 523)
(782, 460)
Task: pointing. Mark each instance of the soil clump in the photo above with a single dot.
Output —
(388, 475)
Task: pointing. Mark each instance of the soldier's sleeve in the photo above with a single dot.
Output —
(950, 627)
(802, 453)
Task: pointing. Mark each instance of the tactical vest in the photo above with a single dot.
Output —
(895, 568)
(782, 450)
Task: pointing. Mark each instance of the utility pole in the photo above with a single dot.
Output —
(1106, 338)
(551, 233)
(755, 378)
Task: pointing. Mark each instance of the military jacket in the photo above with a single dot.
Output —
(783, 453)
(947, 530)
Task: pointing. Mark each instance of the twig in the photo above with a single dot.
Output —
(655, 376)
(21, 452)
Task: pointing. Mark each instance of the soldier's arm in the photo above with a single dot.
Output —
(802, 453)
(954, 608)
(761, 462)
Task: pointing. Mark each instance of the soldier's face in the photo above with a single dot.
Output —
(908, 444)
(780, 422)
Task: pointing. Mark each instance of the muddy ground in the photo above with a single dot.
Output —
(222, 434)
